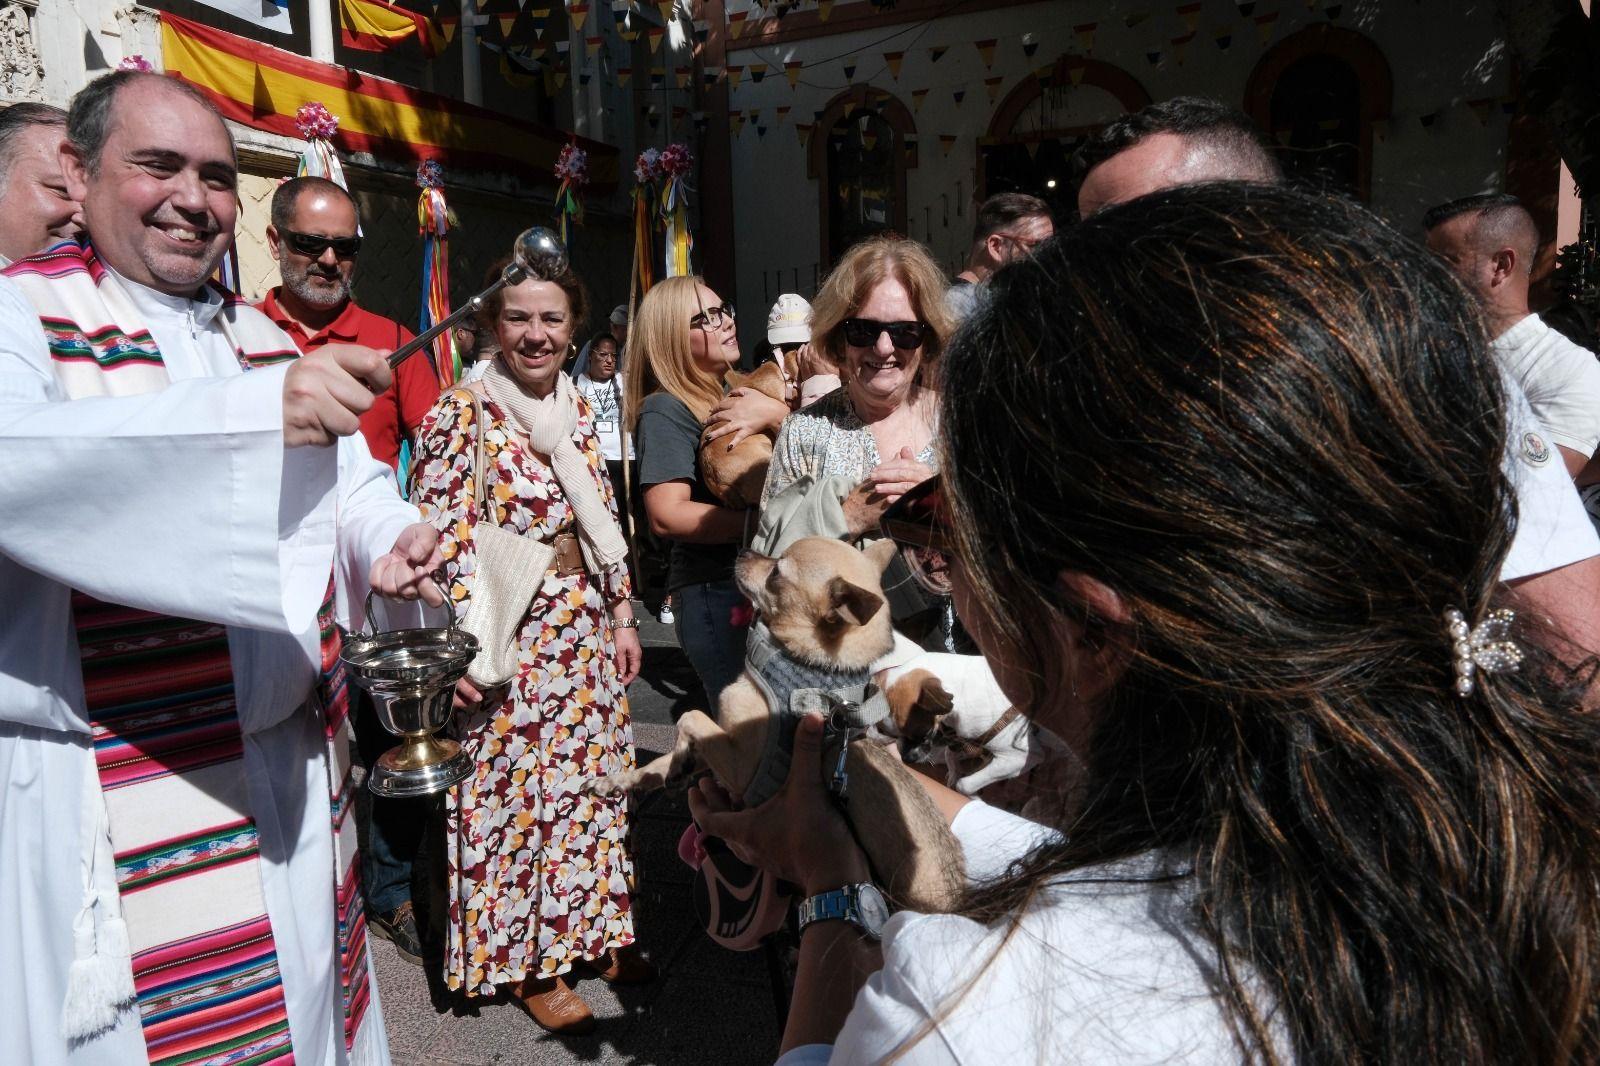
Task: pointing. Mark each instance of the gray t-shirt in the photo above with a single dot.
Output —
(668, 440)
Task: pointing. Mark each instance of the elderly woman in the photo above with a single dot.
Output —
(539, 870)
(837, 464)
(1237, 540)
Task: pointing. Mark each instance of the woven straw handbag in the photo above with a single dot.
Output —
(510, 569)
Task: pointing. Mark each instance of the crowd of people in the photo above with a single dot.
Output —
(1270, 514)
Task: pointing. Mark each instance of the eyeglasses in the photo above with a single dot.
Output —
(314, 244)
(864, 332)
(712, 318)
(919, 524)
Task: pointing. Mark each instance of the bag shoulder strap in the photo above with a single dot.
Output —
(481, 470)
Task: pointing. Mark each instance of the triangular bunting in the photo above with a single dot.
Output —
(986, 50)
(894, 59)
(736, 122)
(1030, 45)
(702, 30)
(993, 85)
(592, 45)
(735, 72)
(1075, 73)
(1134, 18)
(682, 75)
(658, 77)
(1085, 32)
(869, 140)
(1154, 56)
(710, 75)
(1332, 11)
(561, 77)
(783, 113)
(514, 77)
(757, 72)
(802, 130)
(541, 20)
(937, 52)
(505, 22)
(623, 74)
(1245, 7)
(583, 77)
(824, 9)
(1190, 13)
(736, 22)
(1264, 26)
(1483, 108)
(1224, 39)
(917, 96)
(959, 95)
(1179, 45)
(666, 9)
(578, 12)
(791, 70)
(947, 141)
(850, 71)
(654, 35)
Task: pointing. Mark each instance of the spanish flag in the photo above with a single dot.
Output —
(261, 87)
(378, 26)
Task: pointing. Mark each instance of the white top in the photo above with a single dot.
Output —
(1552, 529)
(1561, 380)
(1098, 973)
(605, 398)
(183, 501)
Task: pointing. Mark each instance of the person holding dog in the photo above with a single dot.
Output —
(839, 463)
(1342, 790)
(539, 868)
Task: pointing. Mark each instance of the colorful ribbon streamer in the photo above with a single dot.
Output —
(647, 176)
(434, 221)
(572, 167)
(676, 163)
(318, 160)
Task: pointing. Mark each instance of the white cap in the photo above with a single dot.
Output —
(789, 321)
(619, 315)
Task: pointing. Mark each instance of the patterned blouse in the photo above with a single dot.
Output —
(827, 439)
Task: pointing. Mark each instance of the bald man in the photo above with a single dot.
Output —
(1554, 561)
(1490, 242)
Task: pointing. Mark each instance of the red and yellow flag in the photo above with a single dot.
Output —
(376, 26)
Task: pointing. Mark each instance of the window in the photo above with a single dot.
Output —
(861, 180)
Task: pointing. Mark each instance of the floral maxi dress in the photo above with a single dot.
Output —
(538, 866)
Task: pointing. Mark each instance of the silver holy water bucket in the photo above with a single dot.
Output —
(411, 675)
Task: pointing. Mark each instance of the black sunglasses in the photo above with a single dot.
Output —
(864, 332)
(918, 523)
(314, 244)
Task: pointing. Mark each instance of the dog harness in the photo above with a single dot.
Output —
(847, 700)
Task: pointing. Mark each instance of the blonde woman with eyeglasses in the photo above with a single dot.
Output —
(681, 345)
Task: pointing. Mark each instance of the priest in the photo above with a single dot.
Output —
(188, 512)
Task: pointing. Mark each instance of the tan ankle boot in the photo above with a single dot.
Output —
(555, 1006)
(623, 966)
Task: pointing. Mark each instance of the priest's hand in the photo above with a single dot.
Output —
(326, 393)
(403, 574)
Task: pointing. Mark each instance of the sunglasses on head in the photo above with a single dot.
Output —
(919, 525)
(864, 332)
(314, 244)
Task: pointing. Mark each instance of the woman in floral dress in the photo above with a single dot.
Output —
(538, 866)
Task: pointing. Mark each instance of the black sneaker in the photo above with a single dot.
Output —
(399, 927)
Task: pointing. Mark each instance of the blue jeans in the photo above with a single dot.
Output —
(394, 826)
(713, 645)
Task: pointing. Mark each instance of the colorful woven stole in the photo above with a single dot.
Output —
(168, 746)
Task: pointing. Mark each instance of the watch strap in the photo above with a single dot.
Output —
(839, 903)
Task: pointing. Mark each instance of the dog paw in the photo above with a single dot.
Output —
(607, 786)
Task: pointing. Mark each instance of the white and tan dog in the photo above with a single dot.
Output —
(951, 706)
(823, 623)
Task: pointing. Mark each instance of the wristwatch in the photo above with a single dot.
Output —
(861, 904)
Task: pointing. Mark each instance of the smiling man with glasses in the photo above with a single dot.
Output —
(315, 236)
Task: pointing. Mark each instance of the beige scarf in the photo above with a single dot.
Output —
(549, 425)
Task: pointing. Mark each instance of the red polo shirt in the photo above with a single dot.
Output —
(397, 411)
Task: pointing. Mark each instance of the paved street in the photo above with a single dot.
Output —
(710, 1006)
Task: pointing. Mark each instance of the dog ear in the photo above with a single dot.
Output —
(852, 603)
(880, 553)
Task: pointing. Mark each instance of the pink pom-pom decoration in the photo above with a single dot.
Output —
(572, 166)
(136, 62)
(648, 166)
(430, 175)
(675, 160)
(313, 120)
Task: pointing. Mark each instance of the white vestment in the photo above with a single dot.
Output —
(184, 502)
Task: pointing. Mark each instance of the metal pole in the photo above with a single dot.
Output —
(319, 18)
(471, 70)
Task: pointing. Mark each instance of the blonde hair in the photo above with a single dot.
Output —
(658, 357)
(863, 267)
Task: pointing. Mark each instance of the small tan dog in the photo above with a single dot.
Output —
(824, 622)
(736, 477)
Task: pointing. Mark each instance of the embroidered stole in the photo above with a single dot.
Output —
(168, 746)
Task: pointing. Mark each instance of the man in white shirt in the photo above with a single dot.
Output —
(1554, 561)
(35, 210)
(166, 452)
(1490, 242)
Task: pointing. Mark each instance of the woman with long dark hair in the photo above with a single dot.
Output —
(1236, 538)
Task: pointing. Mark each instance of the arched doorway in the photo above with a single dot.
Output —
(860, 150)
(1041, 122)
(1315, 95)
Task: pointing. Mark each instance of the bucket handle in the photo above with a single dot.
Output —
(369, 629)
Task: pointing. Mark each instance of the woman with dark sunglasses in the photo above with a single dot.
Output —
(1237, 539)
(837, 464)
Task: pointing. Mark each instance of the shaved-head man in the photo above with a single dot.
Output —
(1490, 242)
(1555, 556)
(177, 865)
(36, 210)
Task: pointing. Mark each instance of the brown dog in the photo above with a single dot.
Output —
(822, 604)
(736, 477)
